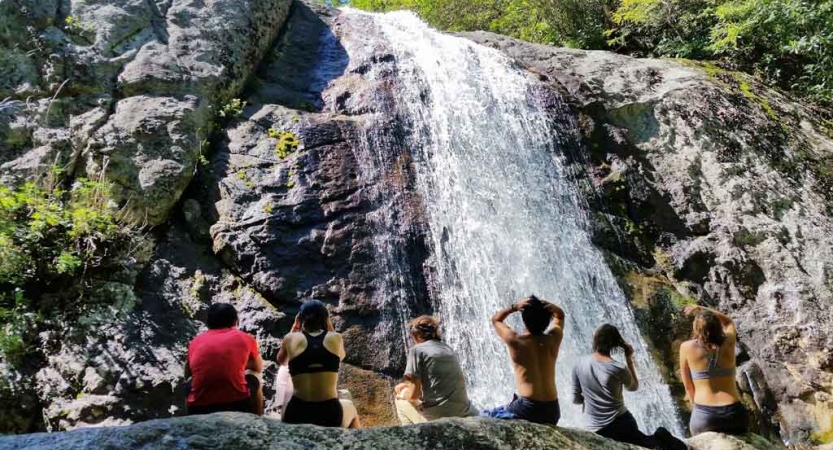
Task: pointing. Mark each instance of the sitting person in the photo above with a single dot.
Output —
(598, 380)
(314, 351)
(707, 366)
(224, 366)
(533, 355)
(434, 385)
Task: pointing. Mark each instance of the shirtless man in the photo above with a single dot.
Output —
(533, 355)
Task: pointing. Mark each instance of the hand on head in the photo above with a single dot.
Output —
(691, 310)
(521, 304)
(628, 349)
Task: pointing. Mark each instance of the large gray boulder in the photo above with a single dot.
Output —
(134, 87)
(246, 431)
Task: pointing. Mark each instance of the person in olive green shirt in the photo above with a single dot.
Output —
(434, 385)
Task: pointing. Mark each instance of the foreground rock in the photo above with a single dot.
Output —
(715, 441)
(245, 431)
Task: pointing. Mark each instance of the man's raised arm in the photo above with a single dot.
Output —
(557, 325)
(504, 331)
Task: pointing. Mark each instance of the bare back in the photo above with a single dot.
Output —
(714, 391)
(314, 387)
(534, 358)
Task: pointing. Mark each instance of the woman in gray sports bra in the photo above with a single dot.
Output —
(707, 366)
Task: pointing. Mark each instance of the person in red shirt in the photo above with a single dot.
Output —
(224, 365)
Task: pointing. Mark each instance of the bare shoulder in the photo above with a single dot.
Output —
(334, 336)
(687, 346)
(292, 338)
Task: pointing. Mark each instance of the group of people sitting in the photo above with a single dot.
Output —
(224, 367)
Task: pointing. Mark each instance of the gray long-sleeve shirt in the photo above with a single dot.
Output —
(598, 386)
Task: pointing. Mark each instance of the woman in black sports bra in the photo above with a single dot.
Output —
(314, 352)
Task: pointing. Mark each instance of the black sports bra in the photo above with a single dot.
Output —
(315, 358)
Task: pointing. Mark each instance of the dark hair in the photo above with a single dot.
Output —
(221, 315)
(426, 328)
(708, 329)
(313, 315)
(536, 318)
(606, 338)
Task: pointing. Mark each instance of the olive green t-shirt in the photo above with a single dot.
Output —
(444, 394)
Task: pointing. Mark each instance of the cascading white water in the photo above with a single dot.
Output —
(505, 221)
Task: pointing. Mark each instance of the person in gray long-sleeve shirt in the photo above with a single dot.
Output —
(598, 381)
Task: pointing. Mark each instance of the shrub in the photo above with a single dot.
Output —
(287, 142)
(232, 109)
(50, 241)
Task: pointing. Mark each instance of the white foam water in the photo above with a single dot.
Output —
(505, 220)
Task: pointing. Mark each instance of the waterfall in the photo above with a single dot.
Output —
(505, 221)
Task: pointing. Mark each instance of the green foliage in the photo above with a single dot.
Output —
(576, 23)
(49, 240)
(244, 177)
(18, 326)
(287, 142)
(232, 109)
(73, 25)
(786, 43)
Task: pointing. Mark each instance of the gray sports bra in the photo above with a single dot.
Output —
(712, 371)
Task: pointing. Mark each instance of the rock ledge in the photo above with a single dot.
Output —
(245, 431)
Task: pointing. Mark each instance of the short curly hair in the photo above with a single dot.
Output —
(426, 328)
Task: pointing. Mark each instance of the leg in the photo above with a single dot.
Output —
(668, 441)
(699, 422)
(350, 416)
(624, 429)
(408, 414)
(285, 388)
(255, 393)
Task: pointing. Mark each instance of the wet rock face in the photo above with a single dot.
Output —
(722, 191)
(298, 204)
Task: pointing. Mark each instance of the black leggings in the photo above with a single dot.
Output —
(245, 405)
(624, 429)
(730, 419)
(326, 414)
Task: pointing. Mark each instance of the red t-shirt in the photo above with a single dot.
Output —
(218, 361)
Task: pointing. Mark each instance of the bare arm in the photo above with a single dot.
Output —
(685, 374)
(255, 363)
(412, 387)
(725, 321)
(634, 385)
(557, 325)
(504, 331)
(283, 353)
(338, 342)
(578, 394)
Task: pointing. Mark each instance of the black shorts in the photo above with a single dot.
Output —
(245, 405)
(328, 413)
